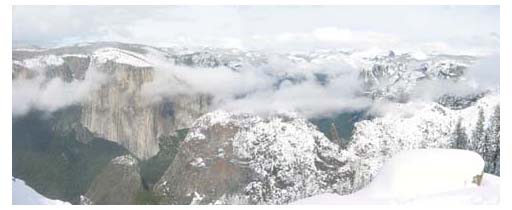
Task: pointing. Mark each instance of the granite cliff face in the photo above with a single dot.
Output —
(117, 110)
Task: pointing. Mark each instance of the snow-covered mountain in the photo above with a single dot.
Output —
(245, 156)
(392, 76)
(373, 64)
(279, 149)
(110, 81)
(250, 159)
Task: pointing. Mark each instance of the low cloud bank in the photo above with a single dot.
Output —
(482, 76)
(54, 94)
(486, 72)
(277, 86)
(311, 89)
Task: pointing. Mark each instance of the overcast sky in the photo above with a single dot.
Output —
(256, 27)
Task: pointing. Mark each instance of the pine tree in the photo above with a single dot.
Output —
(486, 151)
(478, 136)
(493, 136)
(459, 137)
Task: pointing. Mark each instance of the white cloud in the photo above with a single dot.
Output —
(54, 94)
(307, 98)
(486, 72)
(222, 82)
(328, 37)
(262, 89)
(262, 27)
(373, 30)
(333, 34)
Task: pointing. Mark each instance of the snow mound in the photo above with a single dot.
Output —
(426, 171)
(430, 176)
(487, 193)
(25, 195)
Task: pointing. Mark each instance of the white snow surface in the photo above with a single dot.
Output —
(75, 55)
(117, 55)
(198, 162)
(427, 176)
(426, 171)
(22, 194)
(42, 62)
(29, 49)
(126, 160)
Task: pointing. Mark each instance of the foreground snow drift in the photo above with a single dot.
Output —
(432, 176)
(25, 195)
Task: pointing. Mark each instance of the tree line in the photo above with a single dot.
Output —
(484, 139)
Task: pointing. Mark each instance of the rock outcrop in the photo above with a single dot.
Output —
(118, 183)
(255, 160)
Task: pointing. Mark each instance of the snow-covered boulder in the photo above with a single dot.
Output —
(429, 176)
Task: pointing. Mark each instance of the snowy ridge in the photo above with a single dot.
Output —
(285, 134)
(384, 73)
(29, 49)
(235, 59)
(396, 76)
(25, 195)
(41, 62)
(410, 126)
(75, 55)
(106, 54)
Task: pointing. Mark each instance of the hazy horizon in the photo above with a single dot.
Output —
(428, 28)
